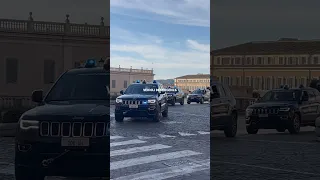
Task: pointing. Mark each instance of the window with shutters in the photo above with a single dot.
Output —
(12, 65)
(48, 71)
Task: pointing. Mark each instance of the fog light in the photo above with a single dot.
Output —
(24, 147)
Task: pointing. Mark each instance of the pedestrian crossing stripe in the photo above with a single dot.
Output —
(155, 156)
(186, 134)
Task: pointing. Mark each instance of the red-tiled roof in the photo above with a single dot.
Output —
(282, 46)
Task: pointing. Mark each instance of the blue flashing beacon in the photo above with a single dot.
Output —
(90, 63)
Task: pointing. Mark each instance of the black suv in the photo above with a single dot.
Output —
(175, 95)
(198, 96)
(67, 134)
(283, 109)
(224, 115)
(142, 100)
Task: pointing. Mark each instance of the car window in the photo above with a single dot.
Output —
(142, 89)
(228, 91)
(80, 87)
(290, 95)
(311, 95)
(220, 90)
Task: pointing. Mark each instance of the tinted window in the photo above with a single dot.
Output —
(80, 87)
(221, 91)
(142, 89)
(281, 96)
(198, 91)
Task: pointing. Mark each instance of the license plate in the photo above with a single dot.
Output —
(75, 142)
(133, 106)
(263, 115)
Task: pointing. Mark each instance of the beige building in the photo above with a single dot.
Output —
(33, 53)
(267, 65)
(192, 82)
(121, 78)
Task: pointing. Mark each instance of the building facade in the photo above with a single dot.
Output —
(192, 82)
(267, 65)
(121, 78)
(34, 54)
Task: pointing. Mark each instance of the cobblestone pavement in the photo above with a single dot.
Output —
(177, 148)
(265, 156)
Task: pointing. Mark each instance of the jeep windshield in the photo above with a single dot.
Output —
(197, 92)
(287, 95)
(142, 89)
(80, 87)
(172, 90)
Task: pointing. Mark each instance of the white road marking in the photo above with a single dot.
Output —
(166, 136)
(172, 122)
(145, 137)
(170, 172)
(138, 150)
(129, 142)
(284, 142)
(186, 134)
(116, 137)
(203, 132)
(149, 159)
(268, 168)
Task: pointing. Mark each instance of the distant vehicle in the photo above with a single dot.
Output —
(283, 109)
(224, 114)
(175, 95)
(142, 100)
(68, 133)
(198, 96)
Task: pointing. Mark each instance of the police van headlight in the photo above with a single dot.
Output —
(118, 100)
(151, 101)
(28, 124)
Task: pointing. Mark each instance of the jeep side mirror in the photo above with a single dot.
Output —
(121, 92)
(37, 96)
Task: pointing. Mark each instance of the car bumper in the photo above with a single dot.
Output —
(193, 99)
(270, 122)
(146, 111)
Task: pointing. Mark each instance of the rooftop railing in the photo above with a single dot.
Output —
(130, 70)
(67, 28)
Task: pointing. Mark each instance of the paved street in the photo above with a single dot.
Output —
(175, 148)
(267, 155)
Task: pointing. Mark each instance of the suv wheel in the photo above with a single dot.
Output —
(188, 102)
(182, 101)
(157, 116)
(165, 112)
(22, 173)
(173, 102)
(231, 129)
(201, 101)
(252, 130)
(281, 129)
(294, 125)
(119, 117)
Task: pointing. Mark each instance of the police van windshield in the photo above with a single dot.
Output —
(142, 89)
(172, 90)
(80, 87)
(290, 95)
(197, 91)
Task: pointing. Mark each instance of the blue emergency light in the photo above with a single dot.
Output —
(90, 63)
(154, 81)
(144, 102)
(138, 81)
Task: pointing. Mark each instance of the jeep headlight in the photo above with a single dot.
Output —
(284, 109)
(118, 100)
(249, 112)
(29, 124)
(151, 101)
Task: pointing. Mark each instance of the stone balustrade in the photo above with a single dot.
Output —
(130, 70)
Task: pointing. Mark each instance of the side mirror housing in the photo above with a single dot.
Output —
(121, 92)
(37, 96)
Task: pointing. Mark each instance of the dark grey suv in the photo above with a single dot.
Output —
(224, 115)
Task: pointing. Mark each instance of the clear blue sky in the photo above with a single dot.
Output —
(172, 37)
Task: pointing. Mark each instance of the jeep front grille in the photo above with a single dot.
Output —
(266, 111)
(132, 102)
(73, 129)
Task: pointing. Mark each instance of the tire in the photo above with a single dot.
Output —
(182, 101)
(202, 100)
(119, 117)
(188, 102)
(281, 129)
(157, 116)
(231, 129)
(173, 102)
(22, 173)
(295, 124)
(252, 130)
(165, 112)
